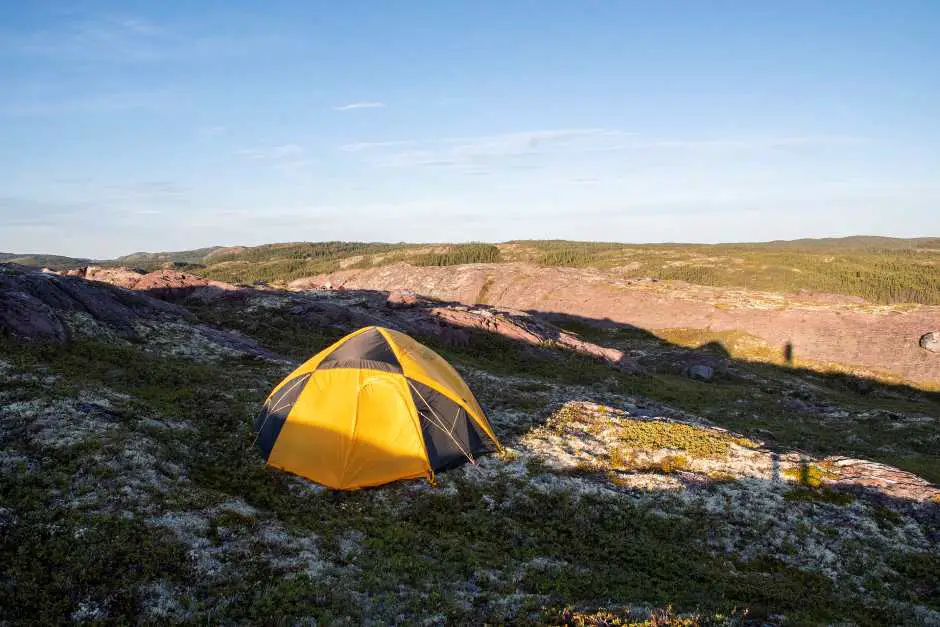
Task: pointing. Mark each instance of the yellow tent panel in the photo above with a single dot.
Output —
(374, 407)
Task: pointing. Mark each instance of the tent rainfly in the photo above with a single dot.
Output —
(374, 407)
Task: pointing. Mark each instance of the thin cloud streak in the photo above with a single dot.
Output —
(362, 146)
(478, 150)
(288, 158)
(359, 105)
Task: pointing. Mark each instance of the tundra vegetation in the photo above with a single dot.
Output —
(130, 490)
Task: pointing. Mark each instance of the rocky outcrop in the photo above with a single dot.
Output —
(37, 305)
(522, 327)
(23, 315)
(168, 285)
(122, 277)
(589, 436)
(846, 472)
(43, 306)
(450, 324)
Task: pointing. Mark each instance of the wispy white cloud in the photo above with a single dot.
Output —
(362, 146)
(638, 142)
(272, 153)
(370, 104)
(479, 150)
(520, 150)
(530, 142)
(283, 157)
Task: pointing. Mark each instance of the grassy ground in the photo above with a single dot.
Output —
(157, 498)
(552, 549)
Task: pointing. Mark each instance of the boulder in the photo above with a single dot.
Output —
(401, 299)
(930, 341)
(700, 372)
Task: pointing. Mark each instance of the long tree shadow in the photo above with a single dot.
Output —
(789, 408)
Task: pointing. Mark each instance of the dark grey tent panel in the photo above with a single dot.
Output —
(366, 350)
(269, 422)
(450, 436)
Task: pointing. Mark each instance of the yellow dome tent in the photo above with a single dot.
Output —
(374, 407)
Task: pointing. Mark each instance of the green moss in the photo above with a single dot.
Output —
(485, 290)
(650, 435)
(823, 495)
(885, 516)
(917, 577)
(52, 566)
(808, 474)
(272, 599)
(660, 617)
(628, 461)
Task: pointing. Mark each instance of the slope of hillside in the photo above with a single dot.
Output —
(153, 260)
(878, 269)
(131, 491)
(822, 332)
(56, 262)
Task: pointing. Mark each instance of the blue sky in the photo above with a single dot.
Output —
(130, 126)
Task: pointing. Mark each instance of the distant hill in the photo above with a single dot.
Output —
(145, 259)
(858, 242)
(878, 269)
(56, 262)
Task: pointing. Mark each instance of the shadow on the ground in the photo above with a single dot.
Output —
(789, 408)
